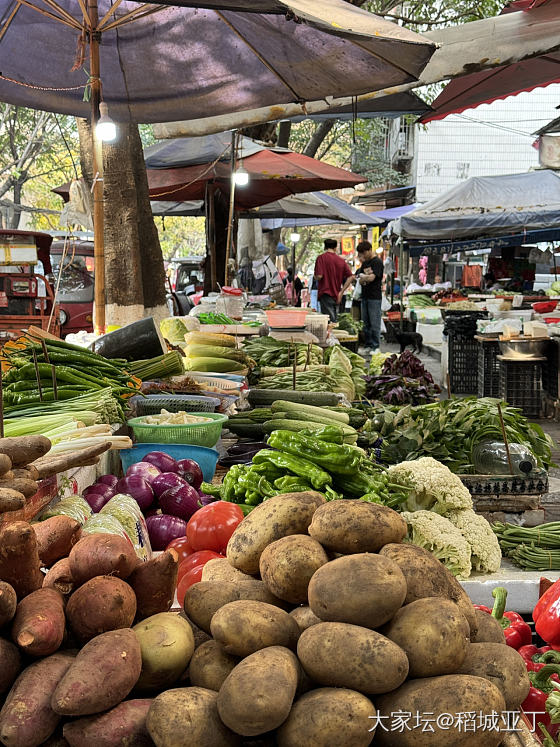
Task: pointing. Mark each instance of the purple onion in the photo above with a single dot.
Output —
(145, 469)
(96, 501)
(182, 501)
(191, 472)
(165, 481)
(100, 488)
(110, 480)
(162, 461)
(205, 499)
(163, 528)
(138, 488)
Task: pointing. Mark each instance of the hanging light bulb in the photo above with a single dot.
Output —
(105, 128)
(294, 237)
(241, 176)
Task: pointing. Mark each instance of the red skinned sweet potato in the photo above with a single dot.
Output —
(8, 603)
(154, 584)
(10, 666)
(122, 726)
(103, 603)
(101, 676)
(38, 627)
(60, 578)
(102, 555)
(56, 537)
(20, 565)
(27, 717)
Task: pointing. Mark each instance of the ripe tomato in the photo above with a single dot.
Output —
(182, 547)
(197, 558)
(211, 526)
(189, 579)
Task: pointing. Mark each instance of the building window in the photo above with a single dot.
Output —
(463, 170)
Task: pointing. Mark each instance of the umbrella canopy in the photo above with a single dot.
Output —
(161, 63)
(336, 211)
(273, 172)
(469, 91)
(385, 216)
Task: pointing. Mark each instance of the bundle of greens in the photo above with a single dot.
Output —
(532, 548)
(349, 324)
(395, 390)
(267, 351)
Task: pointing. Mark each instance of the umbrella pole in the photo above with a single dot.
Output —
(98, 217)
(231, 203)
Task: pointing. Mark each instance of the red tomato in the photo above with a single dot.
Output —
(189, 579)
(211, 526)
(182, 547)
(197, 558)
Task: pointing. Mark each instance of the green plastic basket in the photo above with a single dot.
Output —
(197, 434)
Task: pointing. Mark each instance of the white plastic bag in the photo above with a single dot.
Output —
(385, 304)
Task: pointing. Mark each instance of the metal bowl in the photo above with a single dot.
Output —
(523, 348)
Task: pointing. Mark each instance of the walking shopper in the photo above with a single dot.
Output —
(370, 275)
(331, 271)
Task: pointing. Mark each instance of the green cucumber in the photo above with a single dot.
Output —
(315, 414)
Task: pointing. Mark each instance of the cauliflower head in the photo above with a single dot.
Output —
(435, 487)
(486, 555)
(438, 535)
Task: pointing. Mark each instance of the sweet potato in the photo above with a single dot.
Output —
(103, 603)
(56, 537)
(20, 565)
(122, 726)
(60, 578)
(11, 664)
(154, 584)
(8, 603)
(21, 484)
(102, 555)
(27, 717)
(29, 473)
(101, 676)
(11, 500)
(38, 627)
(23, 450)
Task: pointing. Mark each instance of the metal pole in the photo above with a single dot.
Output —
(231, 202)
(98, 218)
(401, 275)
(293, 273)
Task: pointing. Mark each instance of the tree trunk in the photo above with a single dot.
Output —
(284, 132)
(15, 216)
(321, 132)
(134, 274)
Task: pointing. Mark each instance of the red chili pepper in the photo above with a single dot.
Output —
(483, 608)
(547, 616)
(516, 631)
(535, 703)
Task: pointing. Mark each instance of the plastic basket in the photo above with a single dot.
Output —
(488, 368)
(463, 364)
(318, 325)
(286, 318)
(212, 380)
(199, 434)
(206, 458)
(521, 385)
(155, 403)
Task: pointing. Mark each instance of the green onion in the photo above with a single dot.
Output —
(161, 367)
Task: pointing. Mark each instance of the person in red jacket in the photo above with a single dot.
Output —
(331, 271)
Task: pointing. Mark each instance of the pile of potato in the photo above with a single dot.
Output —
(317, 627)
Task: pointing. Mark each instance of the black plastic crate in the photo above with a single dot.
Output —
(488, 368)
(462, 364)
(550, 370)
(521, 384)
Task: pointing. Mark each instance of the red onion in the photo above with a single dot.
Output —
(145, 469)
(165, 481)
(100, 488)
(181, 501)
(96, 501)
(162, 461)
(138, 488)
(163, 528)
(191, 472)
(110, 480)
(206, 499)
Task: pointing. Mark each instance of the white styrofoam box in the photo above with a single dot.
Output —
(432, 334)
(431, 313)
(525, 314)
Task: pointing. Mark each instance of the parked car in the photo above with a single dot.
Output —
(186, 279)
(76, 289)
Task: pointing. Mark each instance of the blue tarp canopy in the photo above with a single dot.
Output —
(489, 206)
(392, 213)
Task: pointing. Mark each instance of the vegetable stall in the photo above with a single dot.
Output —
(325, 507)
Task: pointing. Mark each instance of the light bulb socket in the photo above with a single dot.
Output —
(105, 128)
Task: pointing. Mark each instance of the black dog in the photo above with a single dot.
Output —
(409, 338)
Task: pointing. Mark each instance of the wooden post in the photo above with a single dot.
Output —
(231, 203)
(98, 218)
(211, 233)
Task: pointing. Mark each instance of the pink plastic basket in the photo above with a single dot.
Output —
(286, 318)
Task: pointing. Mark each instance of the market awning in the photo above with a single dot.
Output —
(489, 242)
(337, 211)
(392, 213)
(469, 91)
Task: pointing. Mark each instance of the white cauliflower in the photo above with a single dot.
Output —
(435, 487)
(486, 555)
(439, 536)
